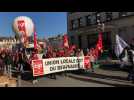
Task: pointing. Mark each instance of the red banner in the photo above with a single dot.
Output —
(38, 68)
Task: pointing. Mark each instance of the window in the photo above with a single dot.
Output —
(98, 17)
(80, 22)
(108, 16)
(74, 24)
(122, 14)
(94, 18)
(88, 20)
(92, 40)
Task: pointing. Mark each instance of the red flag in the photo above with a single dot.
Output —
(65, 41)
(35, 40)
(72, 47)
(99, 43)
(96, 51)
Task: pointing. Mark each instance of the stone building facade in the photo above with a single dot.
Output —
(82, 28)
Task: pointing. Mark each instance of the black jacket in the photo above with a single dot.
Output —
(131, 55)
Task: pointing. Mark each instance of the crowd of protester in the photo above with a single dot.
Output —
(17, 59)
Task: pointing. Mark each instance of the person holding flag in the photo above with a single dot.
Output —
(66, 48)
(131, 59)
(120, 46)
(125, 53)
(50, 54)
(33, 56)
(121, 50)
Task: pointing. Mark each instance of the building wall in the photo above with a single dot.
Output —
(56, 41)
(124, 26)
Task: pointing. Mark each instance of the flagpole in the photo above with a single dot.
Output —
(35, 38)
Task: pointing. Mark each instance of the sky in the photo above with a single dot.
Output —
(47, 23)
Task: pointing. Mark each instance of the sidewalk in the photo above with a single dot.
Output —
(112, 78)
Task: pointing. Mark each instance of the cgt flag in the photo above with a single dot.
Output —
(99, 43)
(120, 45)
(99, 46)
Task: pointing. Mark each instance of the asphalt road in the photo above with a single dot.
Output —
(61, 81)
(101, 78)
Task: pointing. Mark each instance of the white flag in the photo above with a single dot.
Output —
(120, 45)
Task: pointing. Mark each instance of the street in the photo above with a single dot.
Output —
(101, 78)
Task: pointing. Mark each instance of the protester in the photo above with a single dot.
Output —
(79, 53)
(51, 54)
(8, 63)
(2, 65)
(92, 58)
(3, 58)
(61, 53)
(44, 55)
(20, 60)
(34, 56)
(86, 52)
(72, 54)
(54, 74)
(16, 60)
(14, 64)
(25, 61)
(131, 59)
